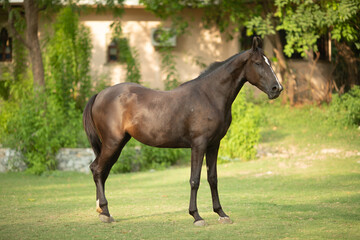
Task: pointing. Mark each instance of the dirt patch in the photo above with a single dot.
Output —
(275, 152)
(292, 151)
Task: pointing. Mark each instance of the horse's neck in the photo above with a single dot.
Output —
(225, 84)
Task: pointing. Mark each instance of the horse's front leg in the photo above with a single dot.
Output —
(197, 156)
(211, 160)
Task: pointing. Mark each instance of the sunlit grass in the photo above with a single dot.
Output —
(265, 198)
(306, 127)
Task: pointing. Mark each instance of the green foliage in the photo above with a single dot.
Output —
(260, 26)
(168, 59)
(126, 54)
(38, 123)
(129, 158)
(168, 9)
(305, 21)
(164, 8)
(130, 57)
(116, 6)
(244, 132)
(68, 56)
(39, 132)
(229, 15)
(343, 17)
(345, 109)
(160, 158)
(13, 73)
(137, 157)
(168, 67)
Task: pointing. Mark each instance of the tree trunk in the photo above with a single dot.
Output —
(32, 40)
(289, 81)
(351, 63)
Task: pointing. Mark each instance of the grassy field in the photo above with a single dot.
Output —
(304, 185)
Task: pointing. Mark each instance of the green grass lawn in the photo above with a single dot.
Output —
(307, 187)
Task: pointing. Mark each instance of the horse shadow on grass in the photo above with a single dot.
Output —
(152, 215)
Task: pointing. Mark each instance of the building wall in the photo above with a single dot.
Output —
(198, 44)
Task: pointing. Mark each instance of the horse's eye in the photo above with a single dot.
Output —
(257, 63)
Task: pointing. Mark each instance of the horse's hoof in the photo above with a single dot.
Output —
(106, 219)
(225, 220)
(200, 223)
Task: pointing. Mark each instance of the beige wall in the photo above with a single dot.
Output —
(198, 43)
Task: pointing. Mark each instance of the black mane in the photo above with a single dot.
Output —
(216, 65)
(212, 67)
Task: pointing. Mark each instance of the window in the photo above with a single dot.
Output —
(5, 46)
(113, 51)
(118, 50)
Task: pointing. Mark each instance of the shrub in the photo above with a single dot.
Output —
(128, 160)
(243, 134)
(67, 60)
(160, 158)
(38, 123)
(345, 109)
(39, 131)
(136, 157)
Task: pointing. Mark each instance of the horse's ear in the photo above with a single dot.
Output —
(255, 43)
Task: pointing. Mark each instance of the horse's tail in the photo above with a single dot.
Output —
(90, 127)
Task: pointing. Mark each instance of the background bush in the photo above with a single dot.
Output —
(67, 60)
(345, 109)
(137, 157)
(38, 133)
(38, 123)
(244, 131)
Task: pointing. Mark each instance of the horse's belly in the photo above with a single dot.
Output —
(158, 130)
(159, 138)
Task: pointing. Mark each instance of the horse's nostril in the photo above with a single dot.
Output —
(275, 88)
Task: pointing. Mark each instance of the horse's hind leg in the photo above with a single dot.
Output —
(101, 167)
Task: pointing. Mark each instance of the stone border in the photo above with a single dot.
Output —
(68, 159)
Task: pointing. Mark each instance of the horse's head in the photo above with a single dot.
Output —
(260, 73)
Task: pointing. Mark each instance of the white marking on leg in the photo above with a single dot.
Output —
(98, 208)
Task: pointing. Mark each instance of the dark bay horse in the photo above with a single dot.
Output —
(195, 115)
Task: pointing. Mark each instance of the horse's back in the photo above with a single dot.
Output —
(112, 93)
(145, 114)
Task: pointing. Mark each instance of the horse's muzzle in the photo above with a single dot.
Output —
(275, 91)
